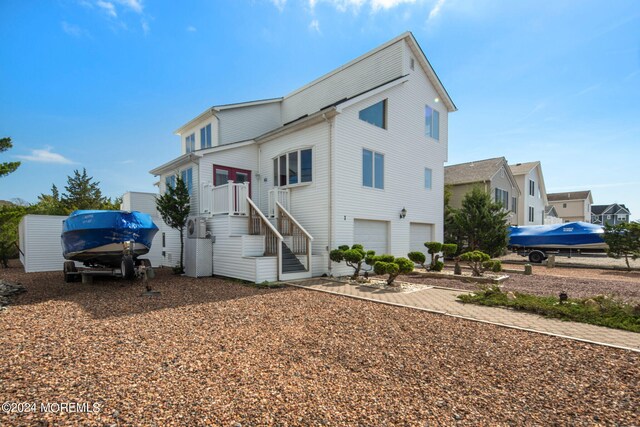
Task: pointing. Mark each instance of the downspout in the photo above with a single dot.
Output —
(330, 204)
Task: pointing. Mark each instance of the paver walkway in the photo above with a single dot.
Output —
(444, 301)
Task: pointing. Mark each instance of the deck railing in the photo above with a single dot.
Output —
(300, 238)
(260, 225)
(229, 198)
(279, 195)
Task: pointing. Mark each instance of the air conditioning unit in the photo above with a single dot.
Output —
(197, 227)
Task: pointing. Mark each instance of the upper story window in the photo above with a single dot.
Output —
(190, 142)
(532, 214)
(514, 204)
(205, 136)
(187, 178)
(431, 122)
(170, 181)
(502, 197)
(372, 169)
(375, 114)
(532, 187)
(427, 178)
(295, 167)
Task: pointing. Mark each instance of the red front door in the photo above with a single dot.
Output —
(224, 174)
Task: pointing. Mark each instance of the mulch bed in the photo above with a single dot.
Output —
(217, 352)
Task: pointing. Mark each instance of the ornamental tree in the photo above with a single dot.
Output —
(174, 207)
(393, 267)
(476, 260)
(623, 241)
(353, 257)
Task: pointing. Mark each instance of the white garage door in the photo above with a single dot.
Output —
(420, 233)
(373, 235)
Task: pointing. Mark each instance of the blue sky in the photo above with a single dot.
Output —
(103, 84)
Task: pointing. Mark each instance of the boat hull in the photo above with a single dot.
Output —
(570, 235)
(98, 237)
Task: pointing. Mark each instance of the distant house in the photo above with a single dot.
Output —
(491, 175)
(551, 215)
(532, 202)
(572, 206)
(609, 214)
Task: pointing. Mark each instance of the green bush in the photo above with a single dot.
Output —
(353, 257)
(417, 258)
(387, 264)
(599, 310)
(494, 265)
(438, 266)
(449, 249)
(475, 260)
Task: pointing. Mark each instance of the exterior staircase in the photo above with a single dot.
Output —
(290, 262)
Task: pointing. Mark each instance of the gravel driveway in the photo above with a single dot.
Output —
(216, 352)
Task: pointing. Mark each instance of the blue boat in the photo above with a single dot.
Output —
(97, 237)
(569, 235)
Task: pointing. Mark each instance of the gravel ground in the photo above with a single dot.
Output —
(577, 282)
(216, 352)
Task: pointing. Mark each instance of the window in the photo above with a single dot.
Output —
(205, 136)
(190, 142)
(531, 214)
(170, 181)
(187, 177)
(293, 168)
(514, 204)
(564, 205)
(621, 217)
(502, 197)
(532, 187)
(431, 122)
(412, 64)
(372, 169)
(427, 178)
(375, 114)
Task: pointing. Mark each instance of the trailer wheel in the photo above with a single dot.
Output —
(68, 269)
(536, 256)
(127, 267)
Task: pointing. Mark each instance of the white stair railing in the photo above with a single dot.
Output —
(278, 195)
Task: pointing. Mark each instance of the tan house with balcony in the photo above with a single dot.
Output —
(573, 205)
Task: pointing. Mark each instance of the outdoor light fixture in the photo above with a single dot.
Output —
(563, 297)
(403, 213)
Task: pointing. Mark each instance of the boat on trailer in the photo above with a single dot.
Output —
(107, 239)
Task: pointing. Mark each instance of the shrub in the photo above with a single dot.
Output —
(438, 266)
(418, 258)
(353, 257)
(393, 268)
(493, 265)
(476, 260)
(449, 249)
(623, 241)
(433, 248)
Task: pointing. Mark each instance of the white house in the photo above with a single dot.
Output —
(356, 156)
(533, 200)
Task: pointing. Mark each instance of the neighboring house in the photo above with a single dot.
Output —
(572, 206)
(533, 200)
(551, 215)
(491, 175)
(356, 156)
(609, 214)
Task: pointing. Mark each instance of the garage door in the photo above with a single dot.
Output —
(373, 235)
(420, 233)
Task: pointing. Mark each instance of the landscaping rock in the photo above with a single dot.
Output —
(7, 290)
(511, 296)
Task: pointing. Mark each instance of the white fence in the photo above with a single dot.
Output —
(280, 196)
(229, 198)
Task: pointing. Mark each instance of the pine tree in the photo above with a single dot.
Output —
(82, 193)
(174, 207)
(7, 167)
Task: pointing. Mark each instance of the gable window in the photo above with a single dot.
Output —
(531, 214)
(502, 197)
(372, 169)
(431, 122)
(375, 114)
(295, 167)
(205, 136)
(532, 187)
(190, 143)
(187, 178)
(514, 204)
(427, 178)
(170, 181)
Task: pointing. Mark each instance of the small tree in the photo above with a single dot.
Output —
(393, 267)
(433, 248)
(7, 167)
(623, 240)
(353, 257)
(418, 258)
(449, 249)
(82, 192)
(174, 207)
(476, 260)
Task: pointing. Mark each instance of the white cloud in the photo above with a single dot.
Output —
(145, 26)
(314, 25)
(72, 30)
(107, 7)
(387, 4)
(279, 4)
(46, 156)
(191, 29)
(435, 11)
(135, 5)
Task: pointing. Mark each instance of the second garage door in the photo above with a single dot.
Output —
(373, 235)
(420, 233)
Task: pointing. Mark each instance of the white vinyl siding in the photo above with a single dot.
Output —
(242, 124)
(373, 235)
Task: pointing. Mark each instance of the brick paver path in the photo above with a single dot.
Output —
(443, 301)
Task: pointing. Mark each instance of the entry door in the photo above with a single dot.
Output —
(224, 174)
